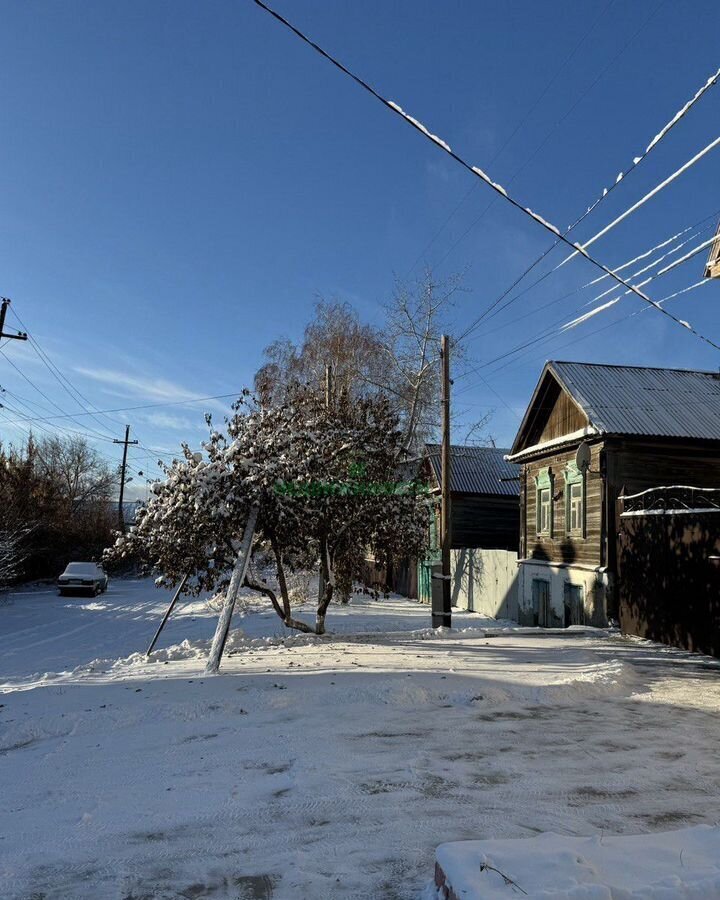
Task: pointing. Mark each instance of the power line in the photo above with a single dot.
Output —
(538, 309)
(547, 137)
(144, 406)
(52, 402)
(544, 338)
(507, 142)
(65, 382)
(559, 326)
(62, 379)
(619, 321)
(605, 193)
(479, 173)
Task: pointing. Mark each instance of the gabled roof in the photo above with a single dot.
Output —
(637, 401)
(476, 470)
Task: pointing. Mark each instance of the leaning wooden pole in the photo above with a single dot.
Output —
(236, 582)
(167, 613)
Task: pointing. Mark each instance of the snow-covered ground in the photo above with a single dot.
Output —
(324, 767)
(683, 864)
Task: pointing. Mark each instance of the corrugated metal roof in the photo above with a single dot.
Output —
(632, 400)
(476, 470)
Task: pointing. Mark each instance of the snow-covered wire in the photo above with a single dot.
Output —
(673, 265)
(559, 327)
(478, 172)
(710, 220)
(656, 262)
(581, 248)
(619, 321)
(652, 15)
(545, 337)
(604, 193)
(473, 187)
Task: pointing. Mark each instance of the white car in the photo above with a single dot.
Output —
(82, 577)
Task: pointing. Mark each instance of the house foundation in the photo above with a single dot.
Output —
(557, 595)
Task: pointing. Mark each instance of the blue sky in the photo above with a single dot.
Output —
(180, 181)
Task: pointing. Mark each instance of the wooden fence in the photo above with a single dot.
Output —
(669, 566)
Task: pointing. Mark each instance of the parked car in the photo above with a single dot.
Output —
(83, 577)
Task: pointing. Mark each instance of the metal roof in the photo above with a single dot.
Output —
(633, 400)
(476, 470)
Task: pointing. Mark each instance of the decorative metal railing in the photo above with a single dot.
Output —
(671, 500)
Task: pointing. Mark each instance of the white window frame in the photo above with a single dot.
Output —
(544, 484)
(575, 480)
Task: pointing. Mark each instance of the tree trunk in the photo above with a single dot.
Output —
(329, 581)
(286, 612)
(288, 620)
(236, 582)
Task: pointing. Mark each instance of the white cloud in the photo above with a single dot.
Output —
(172, 422)
(147, 387)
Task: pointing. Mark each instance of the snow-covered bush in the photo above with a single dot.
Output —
(11, 555)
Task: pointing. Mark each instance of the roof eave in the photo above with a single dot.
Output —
(575, 437)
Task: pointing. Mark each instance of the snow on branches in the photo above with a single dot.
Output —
(326, 483)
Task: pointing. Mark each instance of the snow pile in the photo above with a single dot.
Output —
(673, 865)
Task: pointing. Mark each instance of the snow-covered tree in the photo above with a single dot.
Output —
(326, 485)
(11, 554)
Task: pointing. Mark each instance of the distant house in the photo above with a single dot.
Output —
(485, 531)
(484, 490)
(609, 456)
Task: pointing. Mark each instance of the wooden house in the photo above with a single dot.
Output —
(485, 514)
(484, 492)
(594, 436)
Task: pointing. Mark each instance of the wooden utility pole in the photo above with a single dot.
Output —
(123, 467)
(18, 336)
(328, 403)
(441, 613)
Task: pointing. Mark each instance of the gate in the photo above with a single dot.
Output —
(668, 556)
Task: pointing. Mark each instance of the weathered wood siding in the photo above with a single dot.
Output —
(669, 578)
(480, 520)
(641, 464)
(565, 418)
(553, 414)
(560, 546)
(635, 465)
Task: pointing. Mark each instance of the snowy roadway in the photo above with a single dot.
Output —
(323, 767)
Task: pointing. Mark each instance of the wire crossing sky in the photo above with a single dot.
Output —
(179, 188)
(498, 188)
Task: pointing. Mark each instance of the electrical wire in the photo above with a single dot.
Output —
(146, 406)
(535, 310)
(506, 144)
(64, 414)
(612, 324)
(479, 173)
(559, 327)
(523, 166)
(73, 392)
